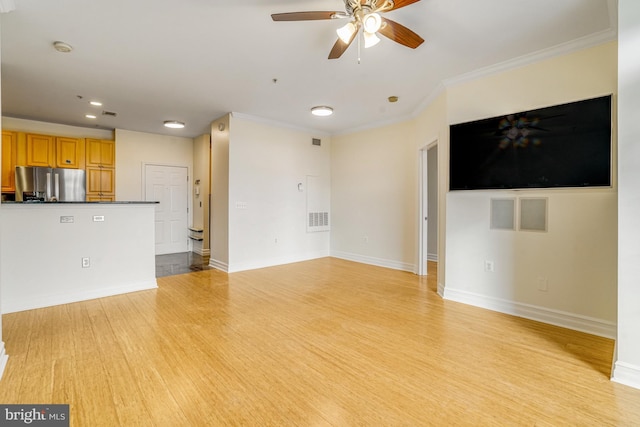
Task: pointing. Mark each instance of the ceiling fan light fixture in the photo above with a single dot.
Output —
(345, 33)
(370, 39)
(173, 124)
(322, 111)
(372, 22)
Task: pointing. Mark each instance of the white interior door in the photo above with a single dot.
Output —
(168, 185)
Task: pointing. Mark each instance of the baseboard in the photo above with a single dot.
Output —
(271, 262)
(202, 252)
(627, 374)
(441, 290)
(41, 301)
(564, 319)
(363, 259)
(218, 265)
(3, 358)
(432, 257)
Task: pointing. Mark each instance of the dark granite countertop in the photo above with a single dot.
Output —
(81, 203)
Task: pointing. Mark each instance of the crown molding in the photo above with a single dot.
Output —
(591, 40)
(275, 123)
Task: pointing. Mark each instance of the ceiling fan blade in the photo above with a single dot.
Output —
(305, 16)
(400, 34)
(340, 46)
(397, 4)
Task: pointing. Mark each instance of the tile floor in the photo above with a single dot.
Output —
(185, 262)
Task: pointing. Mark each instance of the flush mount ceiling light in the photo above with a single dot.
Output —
(96, 103)
(173, 124)
(90, 116)
(62, 47)
(322, 111)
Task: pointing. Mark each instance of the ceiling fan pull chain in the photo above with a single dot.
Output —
(358, 49)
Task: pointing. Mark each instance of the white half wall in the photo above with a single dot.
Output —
(42, 258)
(267, 208)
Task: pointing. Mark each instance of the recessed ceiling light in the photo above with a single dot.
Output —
(322, 110)
(173, 124)
(90, 116)
(62, 47)
(96, 103)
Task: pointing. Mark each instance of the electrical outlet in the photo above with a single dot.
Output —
(488, 266)
(86, 263)
(543, 284)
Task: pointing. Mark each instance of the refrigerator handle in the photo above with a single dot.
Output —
(56, 187)
(48, 187)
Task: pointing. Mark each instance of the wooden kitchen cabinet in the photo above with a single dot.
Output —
(100, 169)
(101, 152)
(70, 153)
(39, 150)
(101, 183)
(9, 152)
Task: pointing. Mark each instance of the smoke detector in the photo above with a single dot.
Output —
(62, 47)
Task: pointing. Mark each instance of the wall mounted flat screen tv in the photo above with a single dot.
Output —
(565, 145)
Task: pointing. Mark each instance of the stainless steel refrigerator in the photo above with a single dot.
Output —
(38, 184)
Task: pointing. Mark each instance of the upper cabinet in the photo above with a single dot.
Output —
(101, 153)
(70, 152)
(39, 150)
(51, 151)
(9, 151)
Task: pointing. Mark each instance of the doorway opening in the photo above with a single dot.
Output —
(428, 240)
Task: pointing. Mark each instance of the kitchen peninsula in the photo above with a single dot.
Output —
(58, 253)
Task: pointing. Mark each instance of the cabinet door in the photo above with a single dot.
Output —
(9, 140)
(69, 152)
(100, 152)
(108, 153)
(100, 181)
(40, 150)
(107, 181)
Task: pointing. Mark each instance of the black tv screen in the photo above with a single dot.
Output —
(566, 145)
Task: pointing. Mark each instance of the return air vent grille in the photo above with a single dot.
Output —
(109, 113)
(318, 219)
(316, 141)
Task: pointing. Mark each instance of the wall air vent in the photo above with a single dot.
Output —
(109, 113)
(318, 219)
(316, 141)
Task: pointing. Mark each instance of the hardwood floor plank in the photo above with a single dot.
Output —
(324, 342)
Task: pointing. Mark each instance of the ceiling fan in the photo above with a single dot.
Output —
(363, 14)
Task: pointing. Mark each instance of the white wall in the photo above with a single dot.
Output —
(3, 354)
(33, 126)
(134, 149)
(267, 212)
(374, 196)
(202, 172)
(219, 232)
(627, 364)
(578, 254)
(42, 257)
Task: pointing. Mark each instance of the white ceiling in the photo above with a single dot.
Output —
(196, 60)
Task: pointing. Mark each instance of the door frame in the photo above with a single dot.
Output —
(423, 231)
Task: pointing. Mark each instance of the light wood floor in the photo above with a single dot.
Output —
(324, 342)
